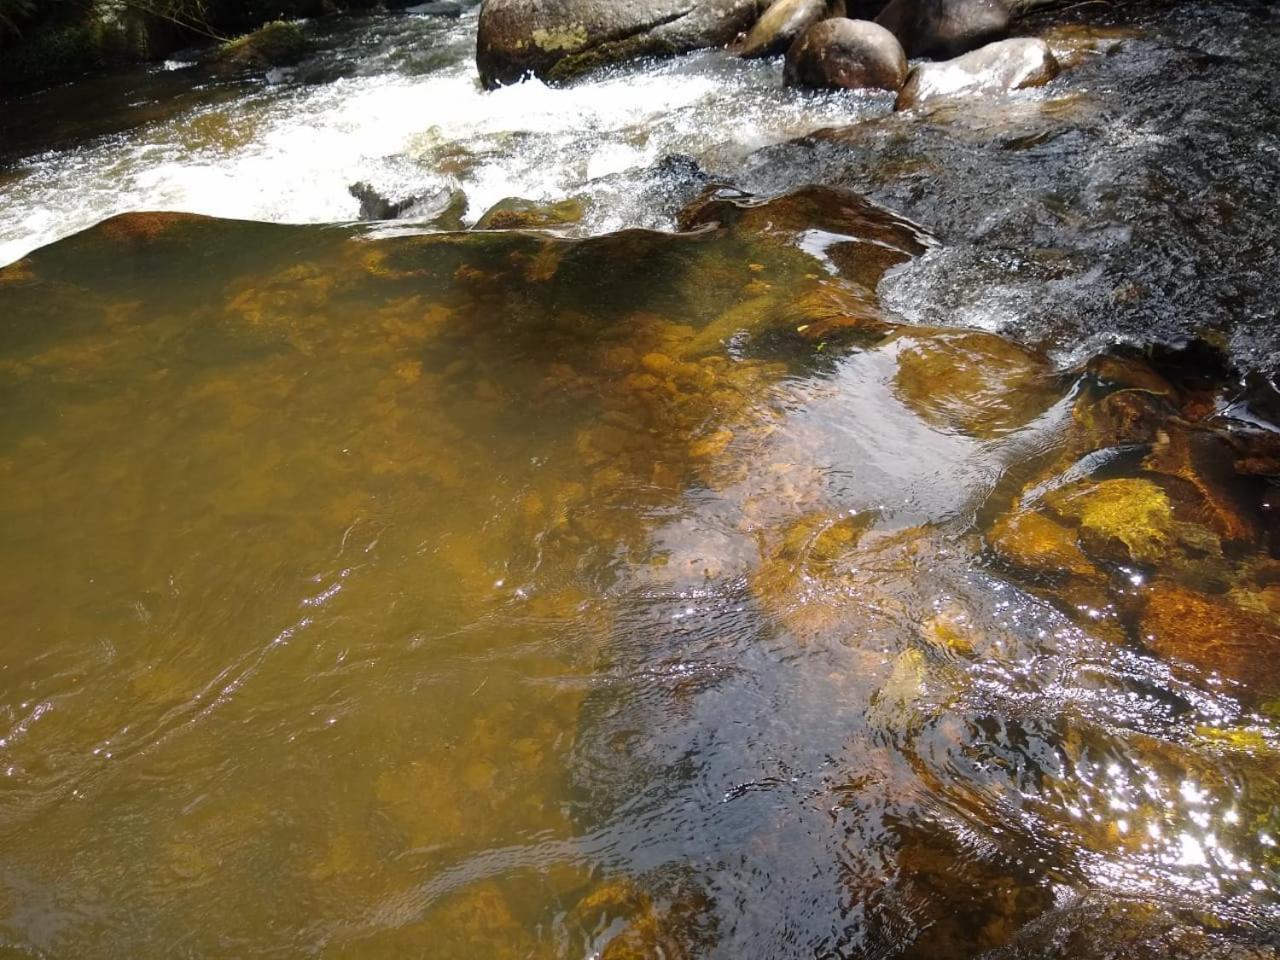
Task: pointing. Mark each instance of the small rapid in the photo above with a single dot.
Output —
(395, 102)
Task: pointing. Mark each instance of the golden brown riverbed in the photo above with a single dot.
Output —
(495, 595)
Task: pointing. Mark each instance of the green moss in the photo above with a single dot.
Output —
(1246, 739)
(277, 44)
(1132, 512)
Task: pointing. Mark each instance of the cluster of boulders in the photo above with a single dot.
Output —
(824, 45)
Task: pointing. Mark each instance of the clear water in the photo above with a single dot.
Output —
(633, 594)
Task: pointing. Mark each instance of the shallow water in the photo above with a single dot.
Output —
(647, 594)
(471, 595)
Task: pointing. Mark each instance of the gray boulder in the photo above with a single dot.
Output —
(846, 54)
(944, 28)
(784, 21)
(996, 68)
(557, 39)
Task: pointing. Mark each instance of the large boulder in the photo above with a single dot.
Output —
(557, 39)
(784, 21)
(846, 54)
(996, 68)
(944, 28)
(277, 44)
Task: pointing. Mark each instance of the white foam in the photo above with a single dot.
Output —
(415, 133)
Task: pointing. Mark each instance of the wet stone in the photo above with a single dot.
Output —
(995, 69)
(1040, 545)
(1214, 635)
(515, 213)
(973, 383)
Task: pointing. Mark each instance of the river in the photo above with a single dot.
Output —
(855, 535)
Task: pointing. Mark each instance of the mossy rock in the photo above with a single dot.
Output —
(1214, 635)
(1127, 519)
(515, 213)
(1040, 545)
(277, 44)
(975, 384)
(73, 40)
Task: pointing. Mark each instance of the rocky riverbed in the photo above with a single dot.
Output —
(660, 513)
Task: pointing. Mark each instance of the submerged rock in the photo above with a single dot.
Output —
(994, 69)
(433, 8)
(1213, 634)
(1039, 545)
(846, 54)
(515, 213)
(1128, 519)
(1074, 43)
(557, 39)
(784, 21)
(944, 28)
(973, 383)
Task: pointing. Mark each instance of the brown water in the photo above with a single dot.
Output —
(653, 595)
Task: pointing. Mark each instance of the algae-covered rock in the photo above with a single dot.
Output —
(1039, 544)
(1133, 520)
(1214, 635)
(1127, 519)
(515, 213)
(277, 44)
(973, 383)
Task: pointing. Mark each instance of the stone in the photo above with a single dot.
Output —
(783, 22)
(434, 8)
(1039, 545)
(846, 54)
(1214, 635)
(1128, 519)
(515, 213)
(988, 71)
(944, 28)
(558, 39)
(973, 383)
(443, 208)
(278, 44)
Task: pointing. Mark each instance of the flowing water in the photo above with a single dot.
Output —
(804, 581)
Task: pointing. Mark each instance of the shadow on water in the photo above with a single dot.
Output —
(505, 595)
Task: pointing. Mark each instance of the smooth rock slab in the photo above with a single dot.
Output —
(944, 28)
(558, 39)
(994, 69)
(846, 54)
(783, 23)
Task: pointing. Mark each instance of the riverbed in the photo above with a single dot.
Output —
(854, 536)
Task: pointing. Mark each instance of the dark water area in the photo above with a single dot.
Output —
(875, 556)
